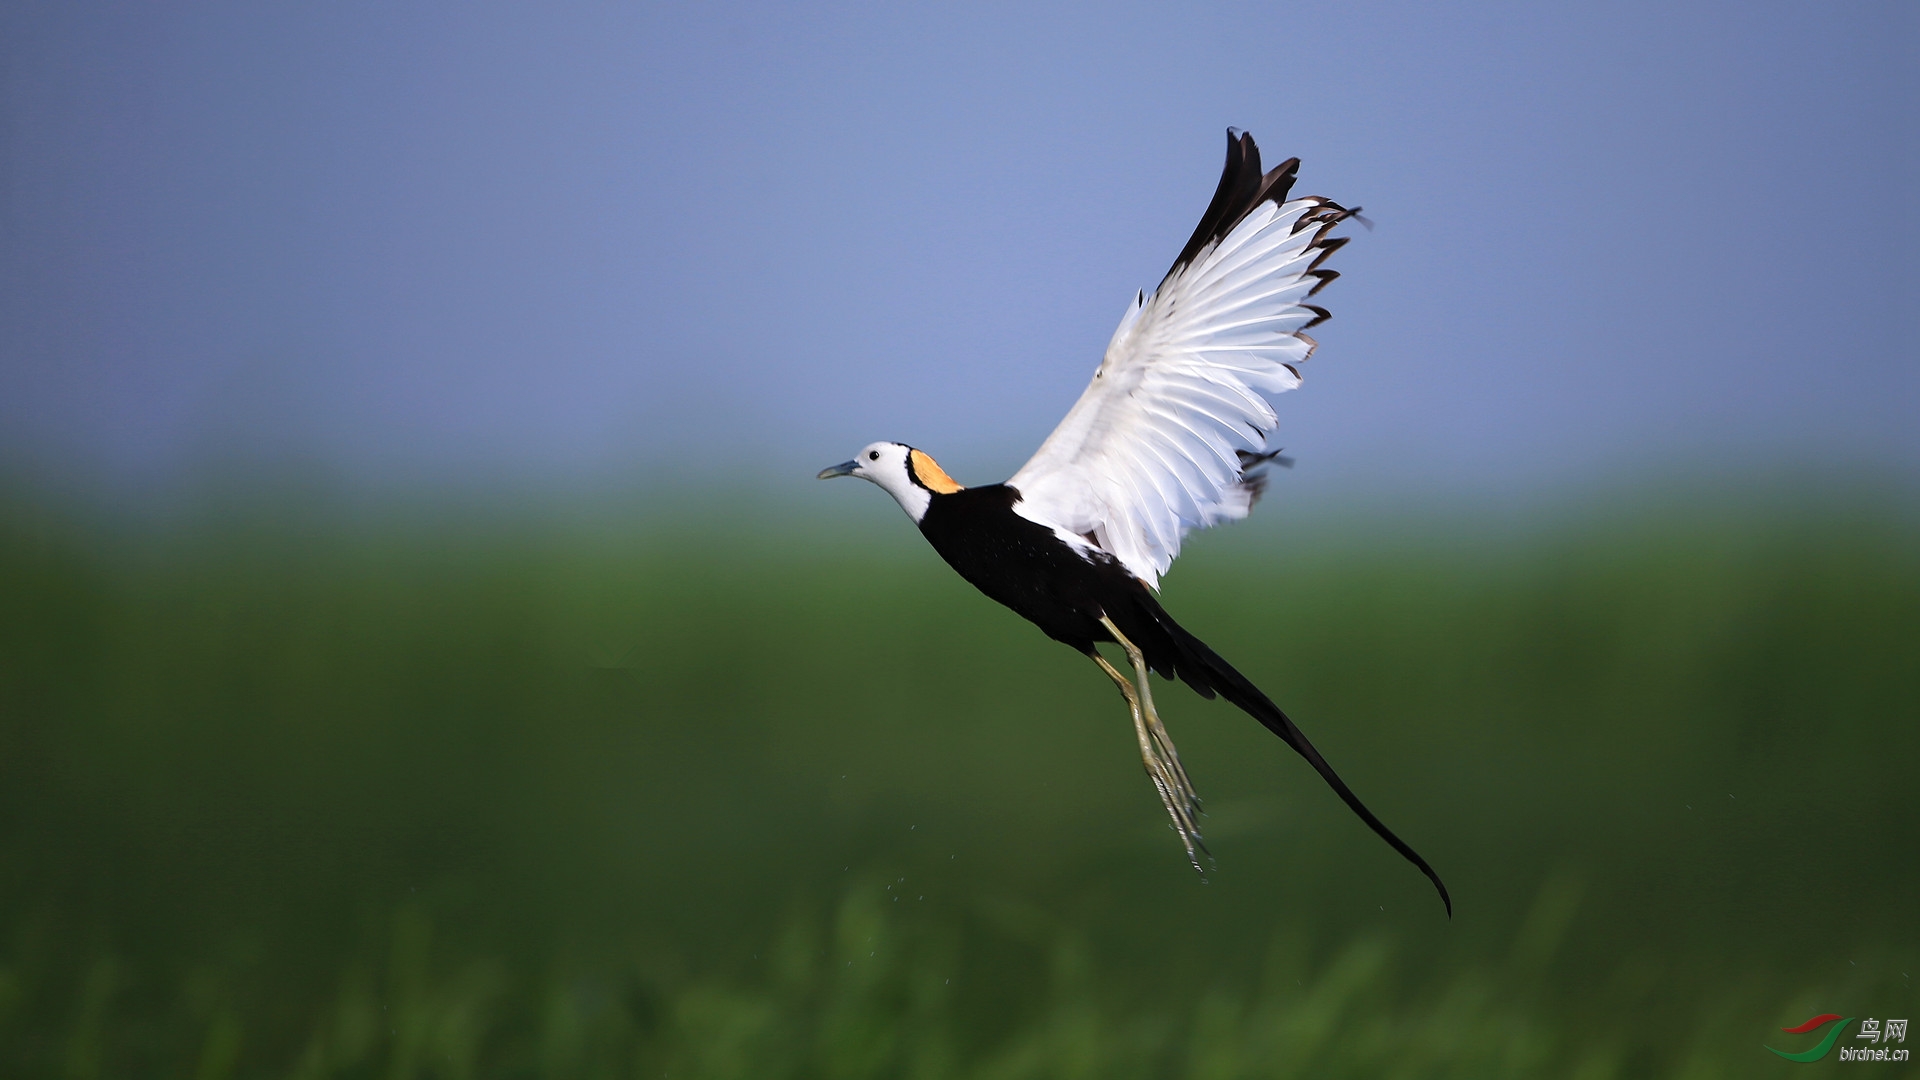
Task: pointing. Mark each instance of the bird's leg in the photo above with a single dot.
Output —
(1157, 752)
(1147, 754)
(1176, 794)
(1162, 741)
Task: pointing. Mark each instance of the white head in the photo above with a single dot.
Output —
(909, 475)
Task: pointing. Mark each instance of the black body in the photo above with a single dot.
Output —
(1023, 565)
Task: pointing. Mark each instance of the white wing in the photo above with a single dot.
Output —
(1161, 440)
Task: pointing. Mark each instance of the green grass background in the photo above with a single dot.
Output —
(433, 794)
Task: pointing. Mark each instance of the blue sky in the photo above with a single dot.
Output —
(602, 243)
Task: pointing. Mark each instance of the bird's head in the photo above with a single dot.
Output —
(909, 475)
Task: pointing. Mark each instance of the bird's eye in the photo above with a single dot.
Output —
(873, 455)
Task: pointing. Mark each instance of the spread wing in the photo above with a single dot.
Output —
(1168, 435)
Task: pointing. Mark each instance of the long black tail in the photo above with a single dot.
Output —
(1204, 670)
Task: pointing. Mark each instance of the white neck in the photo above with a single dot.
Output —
(912, 498)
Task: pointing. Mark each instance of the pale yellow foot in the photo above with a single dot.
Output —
(1157, 752)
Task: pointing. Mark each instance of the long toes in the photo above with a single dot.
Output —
(1196, 848)
(1189, 798)
(1179, 797)
(1176, 791)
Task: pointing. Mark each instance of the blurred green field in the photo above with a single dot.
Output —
(434, 795)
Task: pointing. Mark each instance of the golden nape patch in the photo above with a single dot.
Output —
(931, 474)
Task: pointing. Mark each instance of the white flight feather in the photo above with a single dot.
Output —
(1149, 451)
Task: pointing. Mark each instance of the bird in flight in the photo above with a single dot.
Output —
(1171, 435)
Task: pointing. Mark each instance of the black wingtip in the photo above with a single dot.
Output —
(1243, 186)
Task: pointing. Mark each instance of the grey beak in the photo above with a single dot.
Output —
(845, 468)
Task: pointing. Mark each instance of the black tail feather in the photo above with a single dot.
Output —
(1201, 668)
